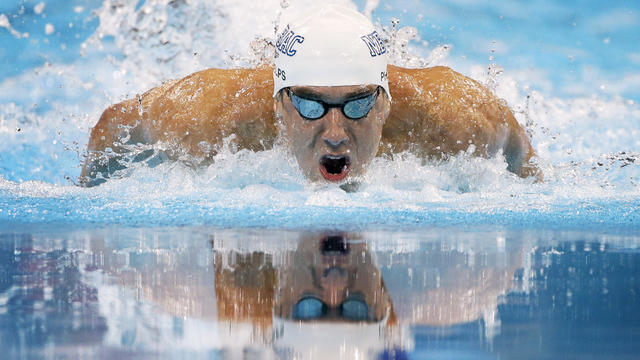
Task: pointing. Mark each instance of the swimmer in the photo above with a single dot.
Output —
(330, 95)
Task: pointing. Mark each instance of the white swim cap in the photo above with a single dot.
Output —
(329, 45)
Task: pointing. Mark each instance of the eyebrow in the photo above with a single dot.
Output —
(311, 94)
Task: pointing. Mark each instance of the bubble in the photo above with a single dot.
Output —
(39, 8)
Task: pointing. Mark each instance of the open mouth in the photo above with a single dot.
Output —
(334, 245)
(334, 167)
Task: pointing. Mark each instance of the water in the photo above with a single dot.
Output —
(199, 292)
(79, 58)
(128, 268)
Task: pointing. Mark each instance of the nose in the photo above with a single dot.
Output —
(335, 134)
(334, 283)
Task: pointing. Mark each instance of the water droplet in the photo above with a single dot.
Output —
(39, 8)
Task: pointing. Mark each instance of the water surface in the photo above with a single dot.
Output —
(200, 292)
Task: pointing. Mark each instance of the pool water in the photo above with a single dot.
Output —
(469, 260)
(200, 292)
(66, 62)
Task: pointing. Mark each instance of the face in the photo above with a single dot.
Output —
(332, 279)
(332, 148)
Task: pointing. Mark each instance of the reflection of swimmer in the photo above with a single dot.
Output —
(332, 280)
(328, 302)
(449, 283)
(333, 101)
(330, 292)
(331, 302)
(311, 293)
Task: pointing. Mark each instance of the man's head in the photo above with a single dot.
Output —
(331, 90)
(332, 278)
(330, 301)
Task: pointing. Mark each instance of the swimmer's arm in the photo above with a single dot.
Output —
(105, 142)
(120, 126)
(437, 112)
(476, 289)
(191, 117)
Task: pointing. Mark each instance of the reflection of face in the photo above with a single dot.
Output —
(337, 273)
(333, 147)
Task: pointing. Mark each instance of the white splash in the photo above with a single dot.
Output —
(4, 23)
(39, 8)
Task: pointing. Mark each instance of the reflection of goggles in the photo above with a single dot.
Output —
(312, 308)
(312, 109)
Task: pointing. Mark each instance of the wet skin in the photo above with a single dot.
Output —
(435, 113)
(333, 148)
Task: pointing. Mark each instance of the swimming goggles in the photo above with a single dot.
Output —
(312, 308)
(354, 109)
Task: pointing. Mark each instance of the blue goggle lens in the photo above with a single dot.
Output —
(308, 308)
(355, 310)
(359, 108)
(315, 109)
(309, 109)
(311, 308)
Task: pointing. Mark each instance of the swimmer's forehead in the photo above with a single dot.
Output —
(334, 92)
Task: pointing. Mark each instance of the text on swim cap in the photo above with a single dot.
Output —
(287, 40)
(374, 43)
(280, 74)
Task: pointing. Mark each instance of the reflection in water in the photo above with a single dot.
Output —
(44, 301)
(331, 301)
(323, 298)
(273, 294)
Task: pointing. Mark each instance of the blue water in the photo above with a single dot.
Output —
(21, 54)
(577, 48)
(568, 48)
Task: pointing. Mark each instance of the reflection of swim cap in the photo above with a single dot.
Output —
(329, 45)
(329, 340)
